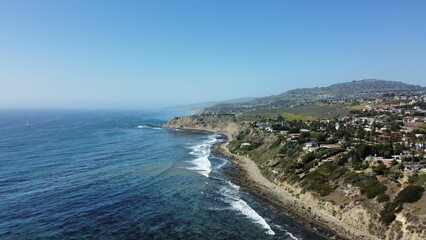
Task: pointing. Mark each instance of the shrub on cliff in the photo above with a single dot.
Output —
(350, 177)
(369, 185)
(289, 149)
(293, 178)
(234, 145)
(331, 170)
(387, 215)
(322, 180)
(418, 179)
(242, 135)
(382, 198)
(310, 156)
(277, 142)
(317, 183)
(410, 194)
(380, 169)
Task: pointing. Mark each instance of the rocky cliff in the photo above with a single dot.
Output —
(207, 123)
(348, 216)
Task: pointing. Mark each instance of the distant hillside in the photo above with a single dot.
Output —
(196, 106)
(366, 88)
(370, 86)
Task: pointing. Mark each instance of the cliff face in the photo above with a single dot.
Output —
(208, 123)
(352, 209)
(349, 216)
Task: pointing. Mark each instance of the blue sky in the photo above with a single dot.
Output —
(136, 54)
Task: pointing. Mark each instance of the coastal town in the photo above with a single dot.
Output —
(393, 127)
(360, 157)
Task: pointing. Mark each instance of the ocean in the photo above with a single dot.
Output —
(115, 175)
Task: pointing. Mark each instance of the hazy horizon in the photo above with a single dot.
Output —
(151, 54)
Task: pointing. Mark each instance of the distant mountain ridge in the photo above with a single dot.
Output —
(373, 85)
(195, 106)
(366, 88)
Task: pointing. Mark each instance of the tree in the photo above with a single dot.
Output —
(321, 137)
(410, 194)
(380, 169)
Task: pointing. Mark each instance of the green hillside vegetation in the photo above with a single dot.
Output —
(368, 184)
(409, 194)
(323, 180)
(304, 113)
(326, 170)
(351, 91)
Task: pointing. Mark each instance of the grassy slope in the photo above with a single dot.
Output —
(308, 112)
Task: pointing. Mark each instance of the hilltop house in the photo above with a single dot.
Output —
(245, 144)
(408, 119)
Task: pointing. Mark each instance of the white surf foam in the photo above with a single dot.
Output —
(222, 164)
(285, 232)
(202, 165)
(291, 235)
(231, 196)
(146, 126)
(202, 151)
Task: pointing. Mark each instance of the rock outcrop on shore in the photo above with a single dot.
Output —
(208, 123)
(349, 220)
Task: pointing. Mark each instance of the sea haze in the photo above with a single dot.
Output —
(114, 175)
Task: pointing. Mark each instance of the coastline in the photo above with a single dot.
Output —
(279, 199)
(276, 197)
(240, 176)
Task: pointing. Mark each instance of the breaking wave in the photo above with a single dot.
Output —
(147, 126)
(202, 151)
(231, 196)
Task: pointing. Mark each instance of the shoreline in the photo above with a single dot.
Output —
(277, 197)
(240, 177)
(243, 178)
(317, 220)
